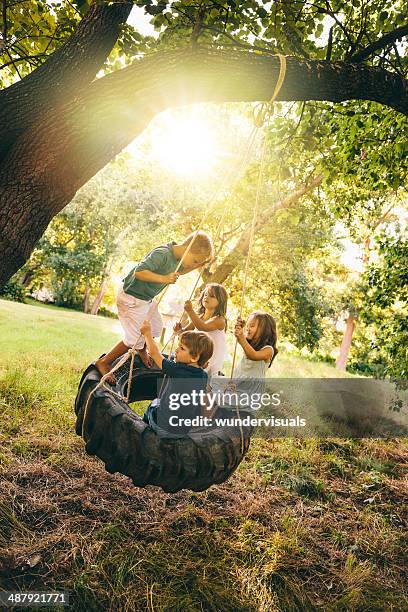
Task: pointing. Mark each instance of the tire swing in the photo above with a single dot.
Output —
(114, 433)
(126, 444)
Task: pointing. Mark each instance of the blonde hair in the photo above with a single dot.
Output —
(201, 244)
(199, 345)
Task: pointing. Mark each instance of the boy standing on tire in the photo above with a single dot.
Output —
(147, 279)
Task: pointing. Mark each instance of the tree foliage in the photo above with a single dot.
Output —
(320, 30)
(384, 307)
(90, 238)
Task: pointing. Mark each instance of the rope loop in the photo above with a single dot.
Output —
(266, 108)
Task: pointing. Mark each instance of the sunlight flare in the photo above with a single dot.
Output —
(186, 146)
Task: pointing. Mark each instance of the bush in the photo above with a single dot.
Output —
(13, 291)
(105, 312)
(66, 294)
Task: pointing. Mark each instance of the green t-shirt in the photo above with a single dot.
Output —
(161, 261)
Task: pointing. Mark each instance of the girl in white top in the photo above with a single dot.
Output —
(210, 318)
(258, 338)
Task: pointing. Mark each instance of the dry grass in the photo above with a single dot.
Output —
(254, 543)
(302, 525)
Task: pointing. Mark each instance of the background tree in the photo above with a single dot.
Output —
(89, 240)
(384, 306)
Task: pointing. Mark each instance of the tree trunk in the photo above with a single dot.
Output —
(101, 294)
(58, 128)
(27, 278)
(341, 362)
(86, 298)
(104, 284)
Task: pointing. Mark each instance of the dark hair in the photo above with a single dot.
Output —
(222, 298)
(199, 344)
(267, 334)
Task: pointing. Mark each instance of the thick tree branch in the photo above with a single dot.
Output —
(379, 44)
(60, 78)
(84, 53)
(117, 107)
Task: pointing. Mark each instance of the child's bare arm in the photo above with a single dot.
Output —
(210, 325)
(155, 354)
(152, 277)
(263, 354)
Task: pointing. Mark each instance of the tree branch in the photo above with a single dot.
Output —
(116, 108)
(197, 28)
(4, 13)
(240, 250)
(237, 43)
(85, 51)
(65, 73)
(22, 58)
(379, 44)
(329, 45)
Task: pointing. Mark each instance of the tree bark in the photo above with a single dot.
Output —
(100, 295)
(68, 70)
(51, 148)
(342, 359)
(86, 298)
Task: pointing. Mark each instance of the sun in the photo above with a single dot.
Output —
(199, 143)
(186, 146)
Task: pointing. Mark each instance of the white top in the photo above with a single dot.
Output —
(219, 338)
(248, 379)
(248, 368)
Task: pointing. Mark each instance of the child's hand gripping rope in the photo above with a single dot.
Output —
(172, 278)
(239, 328)
(188, 306)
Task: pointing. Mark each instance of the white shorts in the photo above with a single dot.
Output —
(132, 312)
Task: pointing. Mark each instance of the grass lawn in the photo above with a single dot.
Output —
(302, 524)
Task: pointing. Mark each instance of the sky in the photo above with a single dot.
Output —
(141, 22)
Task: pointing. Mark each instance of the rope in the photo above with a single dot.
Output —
(258, 123)
(266, 107)
(243, 164)
(250, 244)
(259, 120)
(250, 143)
